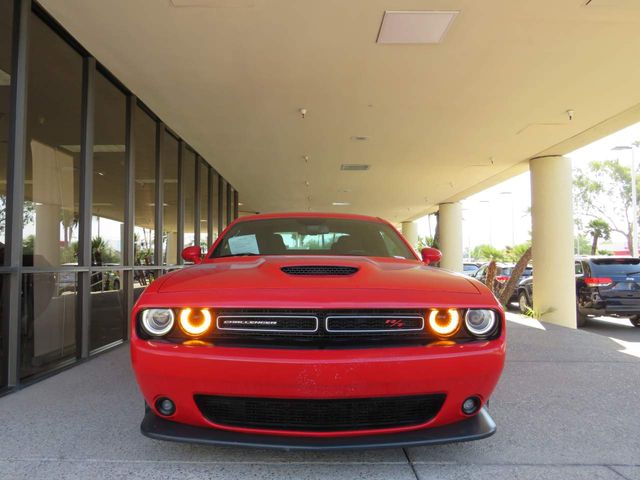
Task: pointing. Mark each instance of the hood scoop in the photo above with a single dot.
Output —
(325, 270)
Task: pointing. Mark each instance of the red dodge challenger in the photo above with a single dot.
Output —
(316, 331)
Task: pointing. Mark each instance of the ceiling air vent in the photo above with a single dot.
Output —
(354, 167)
(415, 26)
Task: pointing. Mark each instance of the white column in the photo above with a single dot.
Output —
(410, 232)
(450, 227)
(554, 289)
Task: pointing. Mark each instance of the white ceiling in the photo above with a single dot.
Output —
(231, 75)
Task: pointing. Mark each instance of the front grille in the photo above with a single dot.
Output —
(328, 270)
(374, 324)
(320, 415)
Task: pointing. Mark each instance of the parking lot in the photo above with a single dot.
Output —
(566, 407)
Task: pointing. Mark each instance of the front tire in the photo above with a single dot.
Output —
(523, 303)
(635, 321)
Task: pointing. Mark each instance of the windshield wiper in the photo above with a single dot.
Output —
(246, 254)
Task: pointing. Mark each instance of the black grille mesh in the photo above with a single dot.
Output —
(389, 323)
(319, 415)
(332, 270)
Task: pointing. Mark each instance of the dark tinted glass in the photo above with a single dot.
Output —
(51, 216)
(109, 174)
(6, 24)
(170, 182)
(48, 334)
(615, 266)
(145, 155)
(214, 206)
(107, 308)
(312, 236)
(204, 205)
(189, 169)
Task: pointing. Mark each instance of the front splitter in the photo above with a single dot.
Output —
(474, 428)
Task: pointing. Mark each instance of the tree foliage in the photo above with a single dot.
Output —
(603, 191)
(488, 253)
(598, 228)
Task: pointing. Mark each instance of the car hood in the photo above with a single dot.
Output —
(250, 273)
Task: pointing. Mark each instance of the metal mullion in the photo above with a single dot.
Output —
(228, 206)
(181, 208)
(209, 212)
(196, 206)
(159, 194)
(128, 251)
(15, 187)
(235, 204)
(220, 202)
(86, 204)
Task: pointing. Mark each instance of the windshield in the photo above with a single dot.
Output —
(616, 266)
(312, 236)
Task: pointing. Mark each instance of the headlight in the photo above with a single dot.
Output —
(157, 321)
(195, 321)
(480, 322)
(444, 322)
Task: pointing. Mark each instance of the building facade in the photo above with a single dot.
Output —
(98, 196)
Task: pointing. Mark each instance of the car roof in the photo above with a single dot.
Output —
(349, 216)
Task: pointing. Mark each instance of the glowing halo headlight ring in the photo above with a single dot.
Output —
(195, 321)
(444, 323)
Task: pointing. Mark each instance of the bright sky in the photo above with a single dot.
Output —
(499, 215)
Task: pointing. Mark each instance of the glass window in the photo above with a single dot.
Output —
(214, 206)
(52, 169)
(142, 278)
(145, 158)
(48, 333)
(578, 268)
(204, 205)
(615, 266)
(311, 236)
(170, 199)
(109, 153)
(225, 186)
(189, 183)
(6, 24)
(107, 308)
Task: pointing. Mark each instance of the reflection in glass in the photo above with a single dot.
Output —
(107, 308)
(214, 206)
(170, 185)
(145, 158)
(142, 278)
(48, 332)
(107, 229)
(50, 236)
(204, 204)
(189, 182)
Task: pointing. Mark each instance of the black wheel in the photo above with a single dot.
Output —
(635, 321)
(523, 302)
(581, 320)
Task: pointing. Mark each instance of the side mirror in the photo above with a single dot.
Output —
(431, 255)
(192, 254)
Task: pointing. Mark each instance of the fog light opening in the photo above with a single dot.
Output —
(165, 406)
(471, 405)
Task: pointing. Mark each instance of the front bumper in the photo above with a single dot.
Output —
(473, 428)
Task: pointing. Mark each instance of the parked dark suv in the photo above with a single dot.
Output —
(605, 286)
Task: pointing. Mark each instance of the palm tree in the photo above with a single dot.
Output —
(598, 228)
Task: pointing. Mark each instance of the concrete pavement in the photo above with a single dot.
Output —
(566, 408)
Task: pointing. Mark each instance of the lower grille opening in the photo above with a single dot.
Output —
(320, 415)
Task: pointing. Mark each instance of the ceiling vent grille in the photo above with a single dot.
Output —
(354, 167)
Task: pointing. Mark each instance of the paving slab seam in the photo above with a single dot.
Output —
(611, 467)
(413, 467)
(195, 462)
(520, 464)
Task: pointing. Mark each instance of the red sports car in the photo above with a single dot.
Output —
(316, 331)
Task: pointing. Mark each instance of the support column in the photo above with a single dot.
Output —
(554, 287)
(450, 219)
(410, 232)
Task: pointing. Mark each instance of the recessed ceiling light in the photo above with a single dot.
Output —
(354, 167)
(359, 138)
(340, 204)
(415, 27)
(240, 204)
